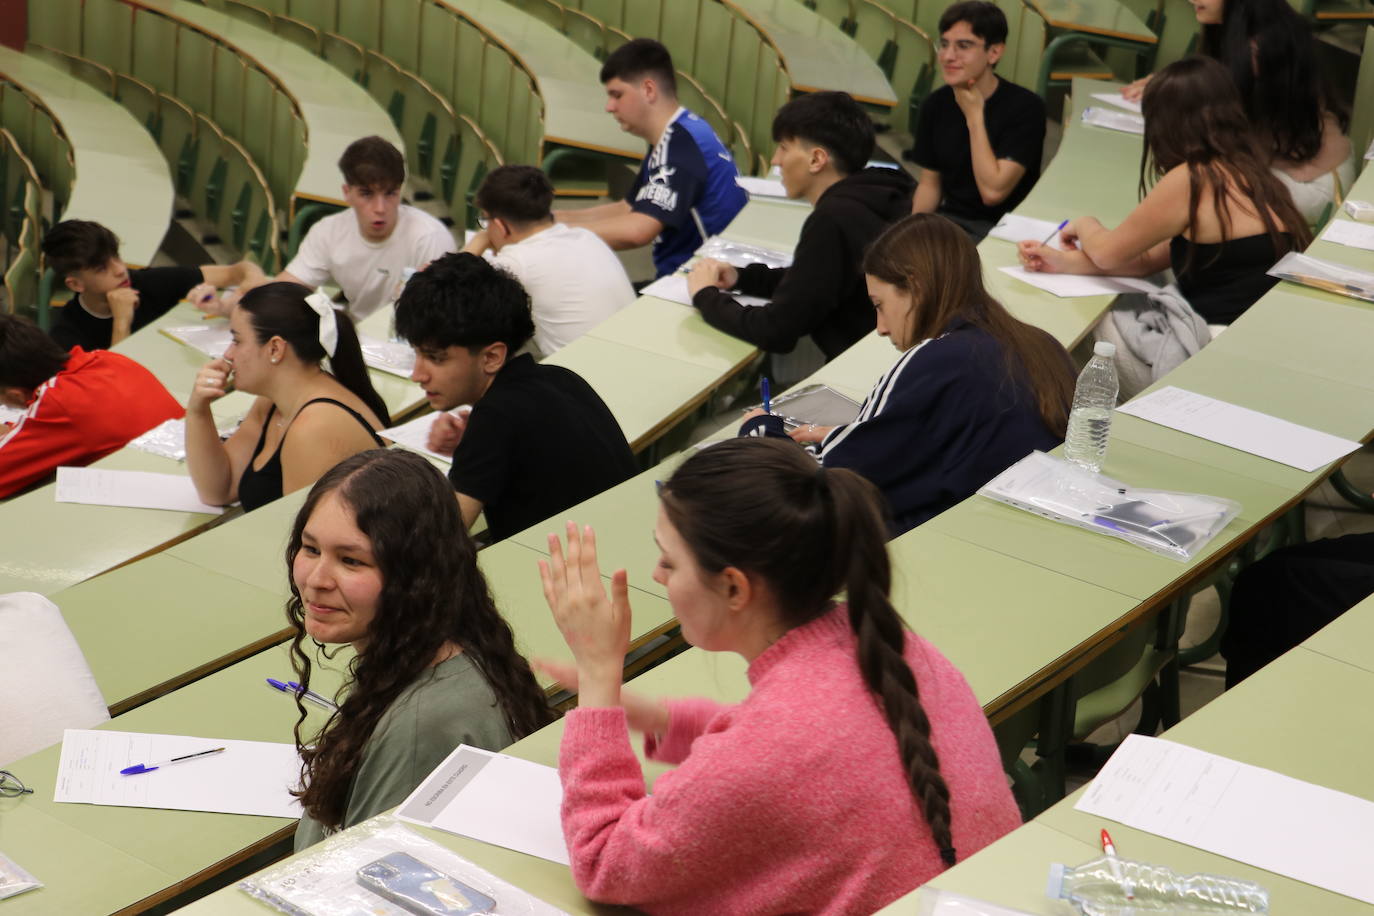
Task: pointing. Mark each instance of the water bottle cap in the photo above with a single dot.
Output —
(1104, 348)
(1055, 887)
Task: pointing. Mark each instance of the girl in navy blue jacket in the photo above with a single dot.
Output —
(974, 391)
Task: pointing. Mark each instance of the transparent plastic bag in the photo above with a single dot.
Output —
(1319, 274)
(212, 339)
(168, 438)
(1169, 523)
(342, 876)
(742, 254)
(387, 356)
(1114, 120)
(14, 880)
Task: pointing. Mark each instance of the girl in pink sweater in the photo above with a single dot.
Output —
(859, 766)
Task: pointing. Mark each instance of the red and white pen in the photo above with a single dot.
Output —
(1110, 849)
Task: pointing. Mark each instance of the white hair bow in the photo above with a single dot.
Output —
(329, 325)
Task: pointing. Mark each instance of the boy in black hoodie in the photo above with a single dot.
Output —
(824, 141)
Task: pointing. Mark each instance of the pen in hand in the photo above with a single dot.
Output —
(1057, 229)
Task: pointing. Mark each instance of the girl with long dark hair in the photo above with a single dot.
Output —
(1211, 209)
(974, 391)
(379, 559)
(305, 420)
(859, 766)
(1269, 50)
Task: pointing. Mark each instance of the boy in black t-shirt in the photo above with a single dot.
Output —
(538, 438)
(979, 138)
(110, 301)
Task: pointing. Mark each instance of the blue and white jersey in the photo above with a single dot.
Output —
(687, 182)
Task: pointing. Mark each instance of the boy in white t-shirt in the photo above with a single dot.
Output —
(364, 251)
(573, 278)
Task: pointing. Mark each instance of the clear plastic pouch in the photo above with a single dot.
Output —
(13, 879)
(1111, 119)
(1319, 274)
(212, 339)
(742, 254)
(1165, 522)
(381, 868)
(931, 901)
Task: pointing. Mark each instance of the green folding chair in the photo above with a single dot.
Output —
(498, 70)
(345, 55)
(587, 32)
(644, 18)
(715, 56)
(56, 24)
(1362, 119)
(195, 73)
(207, 192)
(467, 70)
(230, 90)
(401, 33)
(678, 31)
(875, 30)
(178, 141)
(610, 12)
(141, 101)
(250, 13)
(359, 20)
(302, 34)
(322, 14)
(913, 71)
(840, 12)
(260, 96)
(438, 47)
(153, 35)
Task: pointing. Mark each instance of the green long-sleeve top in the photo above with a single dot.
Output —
(450, 704)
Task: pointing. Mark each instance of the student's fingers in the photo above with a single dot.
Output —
(620, 600)
(565, 673)
(589, 571)
(557, 569)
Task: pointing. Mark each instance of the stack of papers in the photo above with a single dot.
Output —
(1117, 99)
(1069, 286)
(762, 187)
(210, 339)
(1015, 228)
(1253, 815)
(1114, 120)
(249, 777)
(388, 356)
(130, 489)
(414, 435)
(1240, 427)
(494, 798)
(674, 288)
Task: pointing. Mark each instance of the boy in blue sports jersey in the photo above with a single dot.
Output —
(685, 189)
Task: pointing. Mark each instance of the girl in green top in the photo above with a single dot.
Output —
(379, 559)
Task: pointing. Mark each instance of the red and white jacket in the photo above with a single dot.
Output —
(94, 406)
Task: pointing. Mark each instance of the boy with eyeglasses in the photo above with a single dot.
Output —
(979, 138)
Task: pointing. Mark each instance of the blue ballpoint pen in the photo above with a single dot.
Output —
(294, 688)
(1058, 229)
(149, 767)
(767, 401)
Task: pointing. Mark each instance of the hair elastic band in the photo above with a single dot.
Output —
(329, 325)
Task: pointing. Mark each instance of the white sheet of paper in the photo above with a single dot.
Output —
(211, 338)
(1013, 228)
(1350, 233)
(1069, 286)
(1115, 98)
(414, 435)
(388, 356)
(130, 489)
(1247, 813)
(762, 187)
(1114, 120)
(10, 414)
(249, 777)
(494, 798)
(674, 288)
(1240, 427)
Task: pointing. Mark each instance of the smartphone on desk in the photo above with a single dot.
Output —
(419, 889)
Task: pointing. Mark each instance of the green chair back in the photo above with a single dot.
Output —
(714, 26)
(438, 47)
(345, 55)
(912, 72)
(875, 30)
(301, 34)
(401, 33)
(140, 100)
(1362, 120)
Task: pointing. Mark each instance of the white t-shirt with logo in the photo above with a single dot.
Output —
(369, 273)
(574, 281)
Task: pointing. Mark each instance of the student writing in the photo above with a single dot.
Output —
(1215, 213)
(974, 391)
(824, 141)
(379, 560)
(305, 419)
(851, 718)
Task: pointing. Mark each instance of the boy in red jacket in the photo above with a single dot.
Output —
(78, 406)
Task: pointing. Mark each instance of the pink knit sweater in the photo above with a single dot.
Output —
(793, 801)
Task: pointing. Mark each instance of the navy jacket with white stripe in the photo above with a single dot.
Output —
(943, 421)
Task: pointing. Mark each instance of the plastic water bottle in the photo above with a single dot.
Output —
(1119, 887)
(1094, 399)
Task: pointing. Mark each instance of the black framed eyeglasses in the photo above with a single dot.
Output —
(11, 787)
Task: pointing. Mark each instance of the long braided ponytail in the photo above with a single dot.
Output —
(811, 534)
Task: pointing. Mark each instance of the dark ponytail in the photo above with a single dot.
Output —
(279, 309)
(812, 533)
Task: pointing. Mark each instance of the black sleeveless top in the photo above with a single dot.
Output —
(1225, 278)
(258, 487)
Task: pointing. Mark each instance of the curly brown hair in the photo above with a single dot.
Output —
(432, 593)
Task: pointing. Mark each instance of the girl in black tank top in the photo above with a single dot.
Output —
(281, 336)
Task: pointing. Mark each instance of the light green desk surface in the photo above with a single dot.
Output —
(1296, 717)
(1304, 333)
(646, 392)
(46, 545)
(335, 109)
(250, 548)
(770, 224)
(151, 626)
(1107, 561)
(674, 331)
(111, 857)
(815, 53)
(120, 179)
(1109, 18)
(1349, 638)
(568, 78)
